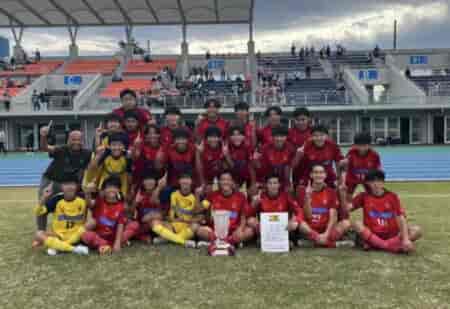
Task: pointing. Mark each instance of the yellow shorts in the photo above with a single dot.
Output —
(178, 227)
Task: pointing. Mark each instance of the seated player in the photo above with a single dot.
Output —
(69, 216)
(273, 115)
(384, 225)
(212, 119)
(184, 214)
(173, 122)
(319, 219)
(227, 198)
(272, 199)
(298, 135)
(360, 159)
(149, 211)
(249, 125)
(238, 155)
(111, 162)
(210, 159)
(110, 229)
(320, 149)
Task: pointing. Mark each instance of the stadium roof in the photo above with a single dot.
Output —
(84, 13)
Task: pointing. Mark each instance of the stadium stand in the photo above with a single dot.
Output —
(33, 69)
(113, 89)
(86, 66)
(154, 67)
(435, 85)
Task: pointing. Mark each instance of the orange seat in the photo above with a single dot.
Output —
(113, 90)
(140, 66)
(34, 69)
(105, 67)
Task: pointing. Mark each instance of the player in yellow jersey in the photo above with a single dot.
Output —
(185, 214)
(69, 217)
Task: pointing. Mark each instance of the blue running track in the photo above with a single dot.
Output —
(401, 163)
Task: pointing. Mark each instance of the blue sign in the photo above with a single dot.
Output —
(73, 80)
(370, 75)
(418, 60)
(216, 64)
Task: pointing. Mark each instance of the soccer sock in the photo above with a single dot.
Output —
(93, 240)
(168, 234)
(131, 230)
(57, 244)
(186, 233)
(391, 245)
(394, 244)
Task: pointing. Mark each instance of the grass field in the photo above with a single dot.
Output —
(172, 277)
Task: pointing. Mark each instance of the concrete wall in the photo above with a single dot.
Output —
(435, 60)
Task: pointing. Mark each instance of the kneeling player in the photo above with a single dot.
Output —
(319, 221)
(111, 229)
(384, 223)
(226, 198)
(149, 211)
(184, 214)
(69, 216)
(272, 200)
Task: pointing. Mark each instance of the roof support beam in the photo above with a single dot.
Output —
(181, 10)
(34, 12)
(12, 18)
(73, 33)
(152, 10)
(216, 9)
(69, 17)
(123, 12)
(17, 36)
(94, 12)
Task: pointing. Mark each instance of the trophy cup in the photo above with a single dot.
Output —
(221, 223)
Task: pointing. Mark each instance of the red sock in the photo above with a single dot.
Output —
(130, 230)
(390, 245)
(93, 240)
(313, 235)
(212, 236)
(394, 244)
(334, 235)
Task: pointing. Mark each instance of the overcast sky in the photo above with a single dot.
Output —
(356, 24)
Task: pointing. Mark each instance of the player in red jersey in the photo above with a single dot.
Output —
(272, 199)
(129, 103)
(227, 198)
(110, 229)
(319, 220)
(212, 119)
(298, 135)
(146, 205)
(243, 119)
(173, 121)
(273, 114)
(238, 154)
(384, 223)
(277, 156)
(132, 128)
(320, 149)
(210, 159)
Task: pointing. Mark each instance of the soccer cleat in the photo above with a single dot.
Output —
(51, 252)
(305, 243)
(159, 241)
(81, 250)
(190, 244)
(202, 244)
(345, 244)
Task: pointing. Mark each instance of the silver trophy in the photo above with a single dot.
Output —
(221, 223)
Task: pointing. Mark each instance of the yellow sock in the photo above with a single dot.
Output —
(186, 233)
(57, 244)
(168, 234)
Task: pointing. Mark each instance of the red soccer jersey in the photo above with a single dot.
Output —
(250, 132)
(108, 217)
(297, 137)
(325, 156)
(166, 136)
(359, 166)
(265, 135)
(146, 162)
(321, 203)
(147, 206)
(213, 162)
(132, 136)
(179, 163)
(282, 203)
(236, 203)
(276, 161)
(380, 212)
(143, 115)
(220, 123)
(242, 157)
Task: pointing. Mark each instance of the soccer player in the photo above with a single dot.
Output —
(384, 225)
(360, 159)
(69, 217)
(113, 126)
(277, 157)
(319, 219)
(128, 98)
(132, 128)
(212, 119)
(273, 114)
(210, 158)
(173, 121)
(238, 154)
(298, 135)
(111, 228)
(227, 198)
(149, 211)
(321, 150)
(272, 199)
(184, 214)
(243, 119)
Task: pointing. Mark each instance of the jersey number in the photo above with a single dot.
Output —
(70, 224)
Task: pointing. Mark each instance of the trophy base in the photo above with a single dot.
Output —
(222, 249)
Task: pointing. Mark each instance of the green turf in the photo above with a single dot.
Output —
(172, 277)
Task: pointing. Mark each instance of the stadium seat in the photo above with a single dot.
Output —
(154, 67)
(101, 66)
(113, 90)
(34, 69)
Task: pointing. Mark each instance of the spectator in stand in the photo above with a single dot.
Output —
(328, 51)
(7, 100)
(376, 51)
(301, 53)
(258, 55)
(35, 101)
(128, 98)
(312, 51)
(12, 63)
(293, 50)
(306, 52)
(222, 74)
(408, 72)
(37, 55)
(308, 71)
(3, 141)
(208, 55)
